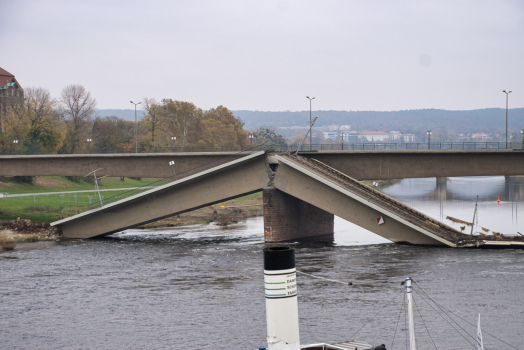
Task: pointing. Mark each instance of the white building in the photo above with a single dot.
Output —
(480, 136)
(374, 136)
(408, 138)
(395, 135)
(330, 134)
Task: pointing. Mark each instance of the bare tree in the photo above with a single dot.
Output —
(78, 107)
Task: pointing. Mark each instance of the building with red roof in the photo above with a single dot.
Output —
(11, 93)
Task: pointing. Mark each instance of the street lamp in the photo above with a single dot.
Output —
(342, 136)
(89, 143)
(251, 137)
(16, 146)
(172, 163)
(429, 139)
(310, 125)
(522, 133)
(136, 127)
(507, 93)
(173, 138)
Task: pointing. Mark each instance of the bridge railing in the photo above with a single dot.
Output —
(346, 146)
(408, 146)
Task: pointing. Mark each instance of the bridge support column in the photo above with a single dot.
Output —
(289, 218)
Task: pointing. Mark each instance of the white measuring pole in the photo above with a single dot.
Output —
(409, 293)
(280, 283)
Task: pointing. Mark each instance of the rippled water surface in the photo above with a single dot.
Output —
(202, 286)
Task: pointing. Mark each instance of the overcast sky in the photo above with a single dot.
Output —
(268, 55)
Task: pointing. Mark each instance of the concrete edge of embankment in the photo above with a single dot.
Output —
(161, 188)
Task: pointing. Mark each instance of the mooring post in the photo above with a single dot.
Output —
(280, 283)
(409, 293)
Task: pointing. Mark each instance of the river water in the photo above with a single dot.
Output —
(201, 287)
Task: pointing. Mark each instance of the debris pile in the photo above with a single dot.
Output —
(26, 226)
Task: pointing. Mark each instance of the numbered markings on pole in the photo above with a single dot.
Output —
(380, 220)
(282, 285)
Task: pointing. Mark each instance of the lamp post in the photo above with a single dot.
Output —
(342, 136)
(173, 138)
(251, 137)
(89, 144)
(310, 125)
(507, 93)
(429, 139)
(136, 127)
(15, 142)
(172, 163)
(522, 133)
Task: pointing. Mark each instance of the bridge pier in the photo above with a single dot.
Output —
(289, 218)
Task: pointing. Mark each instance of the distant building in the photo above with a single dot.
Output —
(374, 136)
(480, 136)
(408, 137)
(345, 127)
(395, 136)
(11, 93)
(330, 134)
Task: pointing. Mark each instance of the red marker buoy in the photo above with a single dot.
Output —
(498, 200)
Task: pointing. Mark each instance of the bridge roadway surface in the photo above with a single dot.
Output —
(360, 165)
(306, 179)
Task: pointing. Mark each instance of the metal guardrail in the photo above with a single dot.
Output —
(408, 146)
(151, 150)
(346, 146)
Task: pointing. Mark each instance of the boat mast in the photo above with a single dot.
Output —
(409, 293)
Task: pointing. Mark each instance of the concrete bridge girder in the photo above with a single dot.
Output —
(153, 165)
(360, 165)
(384, 165)
(232, 180)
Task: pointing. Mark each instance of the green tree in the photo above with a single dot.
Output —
(181, 119)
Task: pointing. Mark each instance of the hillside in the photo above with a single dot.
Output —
(489, 119)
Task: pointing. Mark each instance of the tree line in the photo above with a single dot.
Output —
(44, 124)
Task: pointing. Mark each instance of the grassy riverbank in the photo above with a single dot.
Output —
(49, 208)
(46, 208)
(60, 183)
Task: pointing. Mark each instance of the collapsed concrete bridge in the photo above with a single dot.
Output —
(301, 197)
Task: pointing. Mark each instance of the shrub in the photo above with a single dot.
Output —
(7, 242)
(76, 179)
(24, 179)
(28, 238)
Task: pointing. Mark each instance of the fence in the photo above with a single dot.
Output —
(407, 146)
(346, 146)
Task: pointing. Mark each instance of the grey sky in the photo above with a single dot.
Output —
(268, 55)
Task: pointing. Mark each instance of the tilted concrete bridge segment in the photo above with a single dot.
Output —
(330, 190)
(227, 181)
(360, 165)
(315, 192)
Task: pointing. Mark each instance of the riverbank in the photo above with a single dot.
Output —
(25, 231)
(223, 214)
